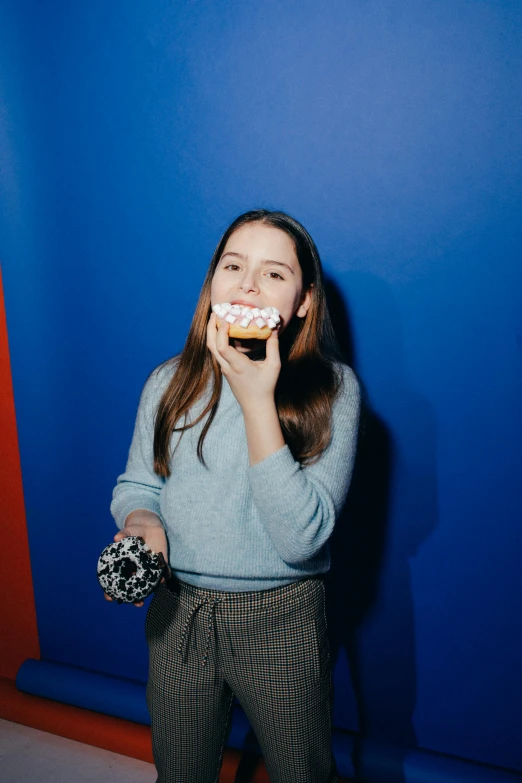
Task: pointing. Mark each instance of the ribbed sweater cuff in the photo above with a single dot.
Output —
(122, 509)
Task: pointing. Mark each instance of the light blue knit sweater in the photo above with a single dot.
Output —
(231, 526)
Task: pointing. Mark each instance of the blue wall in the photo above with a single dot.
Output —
(132, 133)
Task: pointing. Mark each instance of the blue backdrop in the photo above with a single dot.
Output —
(132, 133)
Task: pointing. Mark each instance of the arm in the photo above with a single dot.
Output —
(139, 488)
(253, 384)
(299, 505)
(263, 431)
(135, 504)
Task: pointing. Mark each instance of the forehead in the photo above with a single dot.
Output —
(259, 241)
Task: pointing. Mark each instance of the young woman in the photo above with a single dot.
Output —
(240, 462)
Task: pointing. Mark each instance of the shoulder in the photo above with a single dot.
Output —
(159, 379)
(347, 404)
(349, 386)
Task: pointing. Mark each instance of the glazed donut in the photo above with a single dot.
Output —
(129, 571)
(247, 322)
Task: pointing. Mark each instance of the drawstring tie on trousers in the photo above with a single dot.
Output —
(183, 642)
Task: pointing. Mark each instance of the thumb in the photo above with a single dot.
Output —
(121, 534)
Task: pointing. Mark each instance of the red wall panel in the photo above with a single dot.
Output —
(18, 631)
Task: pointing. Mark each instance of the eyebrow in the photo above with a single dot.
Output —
(265, 262)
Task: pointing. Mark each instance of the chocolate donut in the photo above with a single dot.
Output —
(129, 571)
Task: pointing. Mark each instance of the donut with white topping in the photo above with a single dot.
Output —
(246, 322)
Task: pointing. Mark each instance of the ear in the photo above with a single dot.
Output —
(306, 301)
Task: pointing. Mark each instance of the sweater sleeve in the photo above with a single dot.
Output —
(298, 505)
(139, 487)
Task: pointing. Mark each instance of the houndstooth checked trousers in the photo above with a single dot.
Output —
(269, 649)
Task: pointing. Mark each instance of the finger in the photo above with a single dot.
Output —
(167, 574)
(107, 597)
(273, 356)
(138, 604)
(212, 330)
(222, 338)
(235, 359)
(225, 354)
(212, 326)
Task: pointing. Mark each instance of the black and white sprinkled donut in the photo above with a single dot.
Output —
(129, 571)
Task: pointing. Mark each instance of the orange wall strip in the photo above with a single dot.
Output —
(102, 731)
(18, 631)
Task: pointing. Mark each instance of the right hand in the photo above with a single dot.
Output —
(148, 526)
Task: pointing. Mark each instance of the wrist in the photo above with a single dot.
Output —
(259, 406)
(263, 431)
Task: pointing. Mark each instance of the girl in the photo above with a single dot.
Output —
(240, 462)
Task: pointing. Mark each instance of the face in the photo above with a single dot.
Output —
(259, 267)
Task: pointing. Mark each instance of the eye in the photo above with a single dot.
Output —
(233, 267)
(275, 276)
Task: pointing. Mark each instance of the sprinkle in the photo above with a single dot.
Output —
(256, 312)
(260, 322)
(244, 323)
(271, 323)
(230, 318)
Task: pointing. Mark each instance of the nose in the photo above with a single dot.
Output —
(249, 282)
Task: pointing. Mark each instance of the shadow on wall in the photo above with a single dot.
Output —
(369, 593)
(390, 510)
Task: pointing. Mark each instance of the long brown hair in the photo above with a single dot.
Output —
(308, 382)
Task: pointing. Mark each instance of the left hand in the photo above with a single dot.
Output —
(253, 383)
(143, 523)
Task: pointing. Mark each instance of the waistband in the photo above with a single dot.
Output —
(252, 604)
(242, 608)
